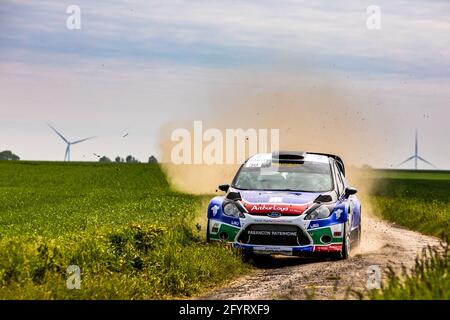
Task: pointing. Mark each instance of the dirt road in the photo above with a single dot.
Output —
(383, 244)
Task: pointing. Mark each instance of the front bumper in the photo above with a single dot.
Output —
(290, 251)
(312, 236)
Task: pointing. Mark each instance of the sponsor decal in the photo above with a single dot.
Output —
(314, 225)
(257, 197)
(276, 199)
(214, 210)
(272, 233)
(277, 221)
(284, 209)
(259, 160)
(328, 248)
(272, 249)
(235, 223)
(338, 213)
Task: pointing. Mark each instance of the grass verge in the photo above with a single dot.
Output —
(418, 201)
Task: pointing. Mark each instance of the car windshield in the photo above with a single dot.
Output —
(308, 177)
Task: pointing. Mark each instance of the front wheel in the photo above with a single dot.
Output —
(345, 253)
(208, 237)
(247, 256)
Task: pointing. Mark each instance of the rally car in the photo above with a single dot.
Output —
(290, 203)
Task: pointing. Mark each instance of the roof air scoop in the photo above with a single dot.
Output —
(288, 157)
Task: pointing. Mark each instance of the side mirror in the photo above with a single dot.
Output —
(350, 191)
(224, 187)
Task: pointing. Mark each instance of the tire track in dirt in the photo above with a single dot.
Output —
(383, 244)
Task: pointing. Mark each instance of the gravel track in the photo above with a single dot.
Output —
(383, 244)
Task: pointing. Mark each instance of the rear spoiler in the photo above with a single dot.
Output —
(336, 158)
(299, 156)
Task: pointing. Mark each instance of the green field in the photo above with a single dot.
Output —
(419, 201)
(133, 237)
(130, 234)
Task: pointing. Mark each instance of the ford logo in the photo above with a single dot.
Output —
(274, 214)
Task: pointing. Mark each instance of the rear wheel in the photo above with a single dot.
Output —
(358, 238)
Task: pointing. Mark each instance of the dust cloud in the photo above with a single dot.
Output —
(311, 113)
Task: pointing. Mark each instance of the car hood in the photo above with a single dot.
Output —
(285, 203)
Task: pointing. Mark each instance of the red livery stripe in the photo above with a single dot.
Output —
(329, 248)
(284, 209)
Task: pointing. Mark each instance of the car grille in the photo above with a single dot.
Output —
(274, 234)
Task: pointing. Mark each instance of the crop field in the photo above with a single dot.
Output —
(419, 201)
(131, 236)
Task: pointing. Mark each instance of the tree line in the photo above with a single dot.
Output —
(8, 155)
(127, 159)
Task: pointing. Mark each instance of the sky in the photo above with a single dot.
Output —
(134, 66)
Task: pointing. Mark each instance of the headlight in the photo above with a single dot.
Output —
(321, 212)
(230, 209)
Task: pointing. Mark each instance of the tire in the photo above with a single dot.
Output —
(247, 256)
(208, 238)
(359, 235)
(358, 238)
(345, 253)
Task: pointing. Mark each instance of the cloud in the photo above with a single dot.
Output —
(151, 61)
(236, 32)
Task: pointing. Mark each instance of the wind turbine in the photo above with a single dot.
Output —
(416, 156)
(69, 143)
